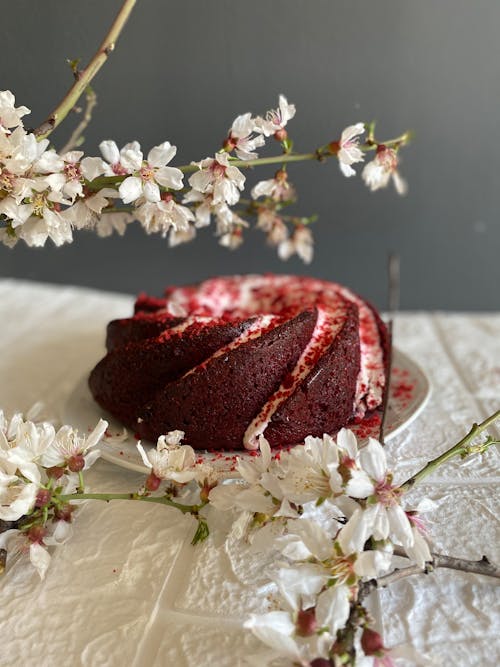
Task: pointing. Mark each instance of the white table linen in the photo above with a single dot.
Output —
(129, 589)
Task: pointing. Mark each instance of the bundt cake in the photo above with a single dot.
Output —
(235, 357)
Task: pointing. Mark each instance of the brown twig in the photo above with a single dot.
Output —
(76, 138)
(482, 566)
(85, 76)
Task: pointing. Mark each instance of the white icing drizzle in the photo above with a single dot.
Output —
(255, 330)
(327, 326)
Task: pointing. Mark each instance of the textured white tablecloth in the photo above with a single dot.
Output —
(129, 590)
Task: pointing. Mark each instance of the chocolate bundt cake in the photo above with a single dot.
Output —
(232, 358)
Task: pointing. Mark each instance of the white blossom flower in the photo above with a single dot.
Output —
(48, 224)
(161, 216)
(35, 543)
(25, 442)
(113, 222)
(358, 484)
(203, 206)
(86, 212)
(277, 188)
(8, 237)
(149, 174)
(383, 517)
(178, 236)
(419, 551)
(279, 629)
(349, 151)
(10, 115)
(68, 445)
(377, 173)
(65, 173)
(276, 119)
(232, 239)
(310, 472)
(260, 489)
(17, 495)
(120, 162)
(17, 543)
(218, 177)
(272, 224)
(19, 151)
(170, 460)
(241, 137)
(300, 243)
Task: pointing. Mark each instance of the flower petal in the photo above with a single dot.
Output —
(170, 177)
(130, 189)
(161, 155)
(110, 151)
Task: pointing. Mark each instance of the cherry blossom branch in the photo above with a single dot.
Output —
(463, 448)
(76, 138)
(482, 566)
(319, 155)
(107, 497)
(85, 77)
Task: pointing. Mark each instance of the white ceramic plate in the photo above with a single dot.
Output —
(410, 390)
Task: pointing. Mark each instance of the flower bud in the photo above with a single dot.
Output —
(334, 147)
(152, 482)
(43, 497)
(306, 624)
(229, 144)
(76, 463)
(371, 642)
(56, 472)
(281, 134)
(36, 534)
(64, 512)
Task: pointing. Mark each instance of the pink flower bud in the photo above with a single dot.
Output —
(334, 147)
(55, 472)
(320, 662)
(43, 497)
(64, 512)
(76, 463)
(152, 482)
(281, 134)
(371, 642)
(306, 624)
(36, 534)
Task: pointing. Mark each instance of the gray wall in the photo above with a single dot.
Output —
(183, 69)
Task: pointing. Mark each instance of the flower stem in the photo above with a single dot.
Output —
(85, 77)
(76, 139)
(463, 448)
(161, 500)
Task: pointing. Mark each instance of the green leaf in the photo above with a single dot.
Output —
(202, 532)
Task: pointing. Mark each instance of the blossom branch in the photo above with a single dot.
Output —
(463, 448)
(160, 500)
(319, 155)
(85, 77)
(76, 138)
(482, 566)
